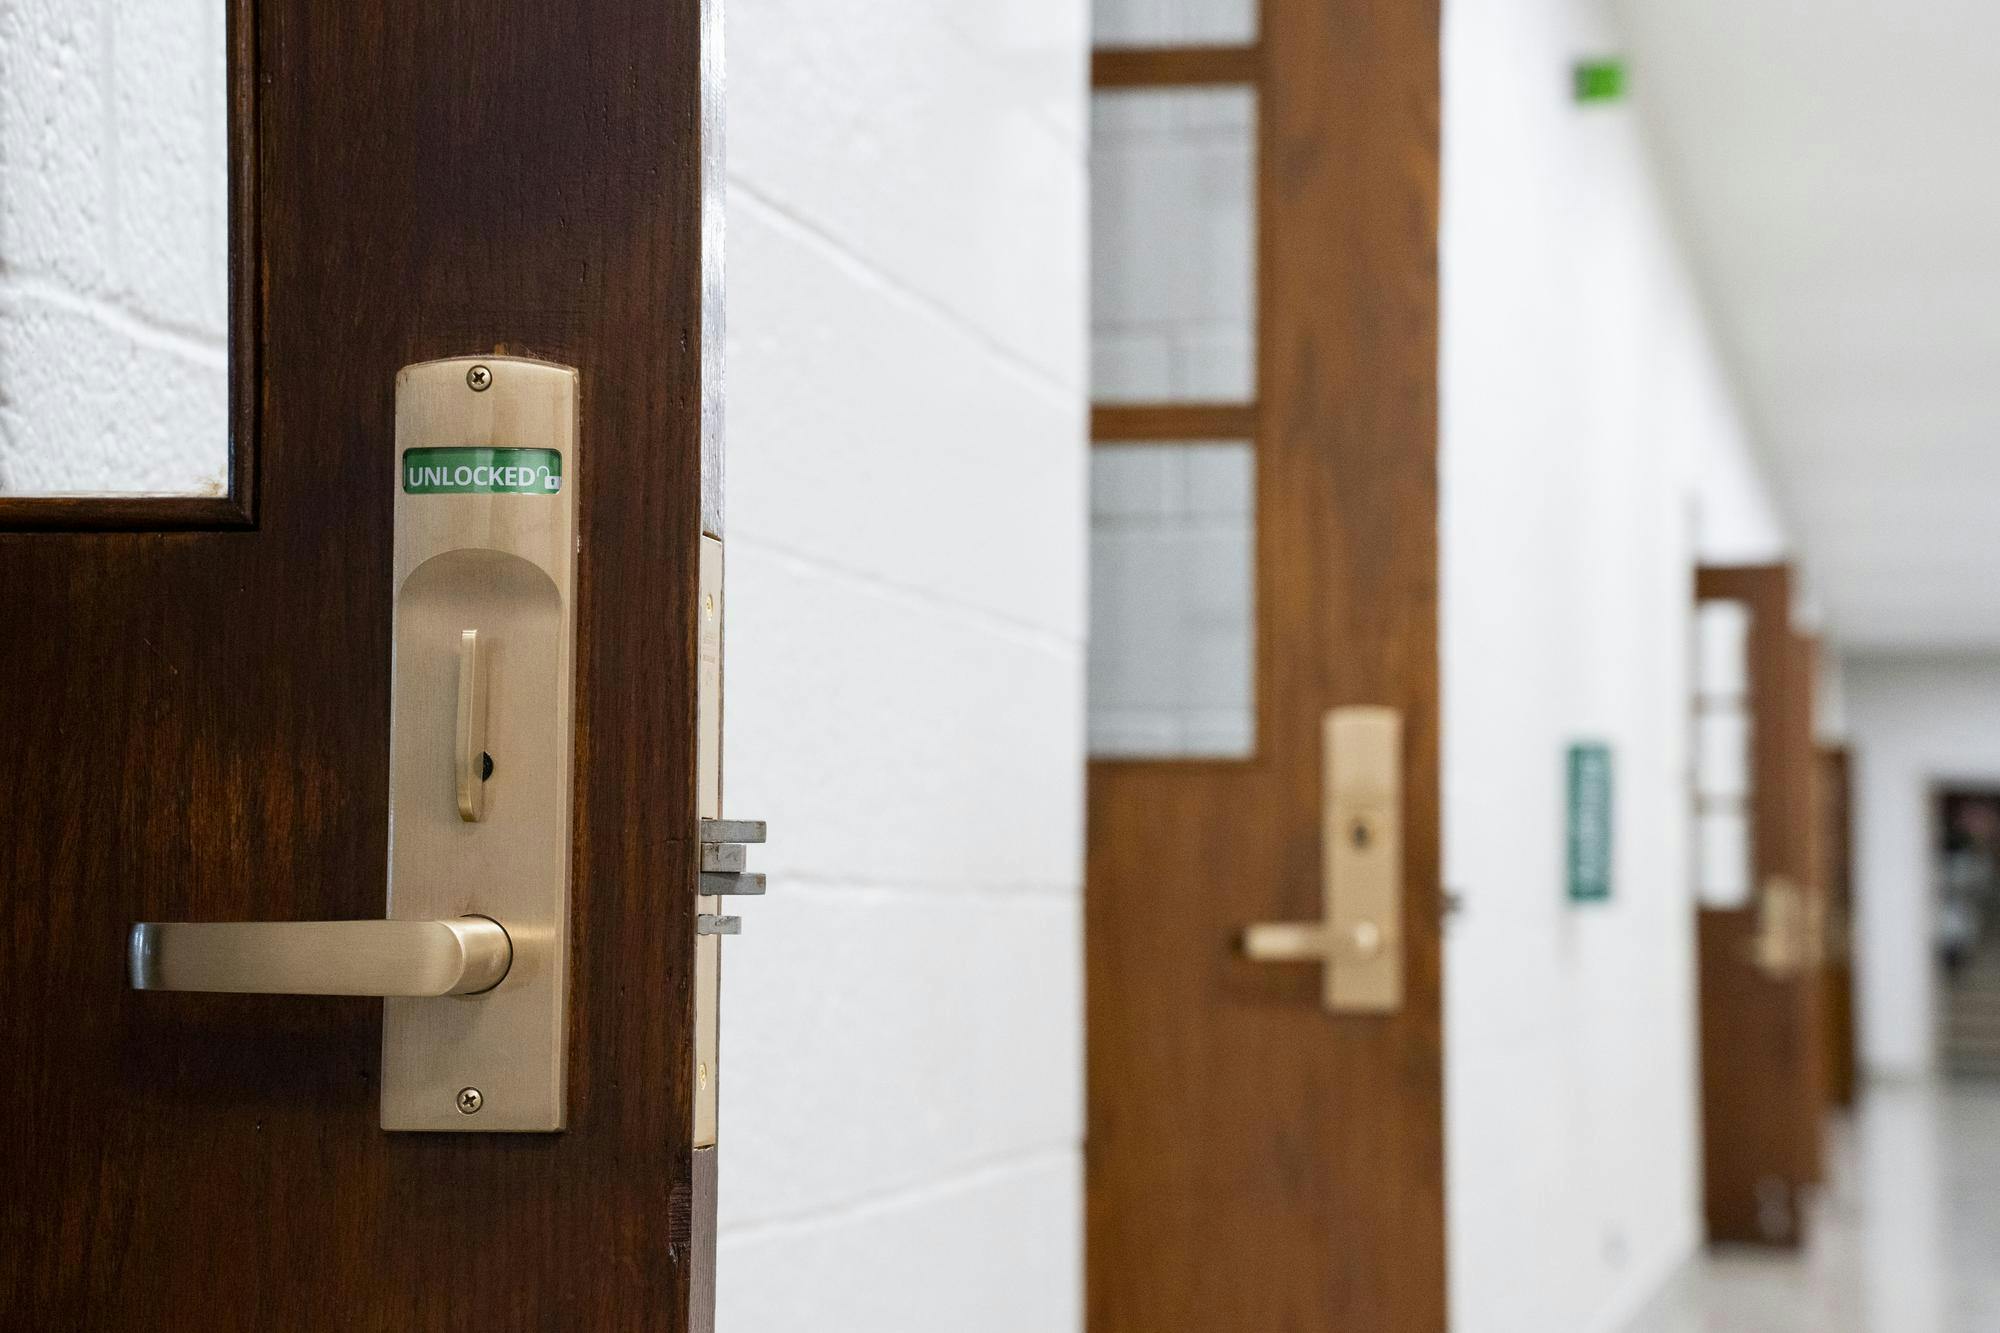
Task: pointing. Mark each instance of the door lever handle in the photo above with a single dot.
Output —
(459, 957)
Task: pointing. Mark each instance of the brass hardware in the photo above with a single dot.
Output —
(1287, 942)
(484, 607)
(429, 958)
(501, 564)
(708, 806)
(1359, 940)
(469, 745)
(1783, 946)
(722, 842)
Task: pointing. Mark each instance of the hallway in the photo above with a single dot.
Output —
(1903, 1242)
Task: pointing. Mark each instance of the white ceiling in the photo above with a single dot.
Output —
(1837, 166)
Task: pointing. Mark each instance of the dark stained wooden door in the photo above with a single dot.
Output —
(1254, 1161)
(1834, 828)
(198, 726)
(1759, 981)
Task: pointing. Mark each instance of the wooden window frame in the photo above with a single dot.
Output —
(1137, 68)
(1196, 421)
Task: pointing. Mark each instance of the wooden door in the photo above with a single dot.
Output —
(201, 688)
(1759, 981)
(1833, 767)
(1255, 1161)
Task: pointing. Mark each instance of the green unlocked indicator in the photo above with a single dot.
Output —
(463, 471)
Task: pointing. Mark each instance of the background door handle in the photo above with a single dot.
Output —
(458, 957)
(1358, 940)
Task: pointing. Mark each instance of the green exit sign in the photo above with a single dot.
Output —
(1600, 80)
(1590, 810)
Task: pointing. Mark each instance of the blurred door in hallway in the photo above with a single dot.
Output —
(1761, 909)
(1259, 1155)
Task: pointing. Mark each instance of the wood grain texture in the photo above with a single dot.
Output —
(701, 1263)
(1172, 66)
(236, 507)
(1759, 1033)
(1835, 828)
(1252, 1161)
(203, 727)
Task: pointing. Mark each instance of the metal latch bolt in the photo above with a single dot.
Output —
(723, 856)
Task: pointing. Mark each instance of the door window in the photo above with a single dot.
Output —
(115, 251)
(1723, 771)
(1152, 23)
(1173, 379)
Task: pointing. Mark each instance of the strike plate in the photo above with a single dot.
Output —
(708, 806)
(482, 732)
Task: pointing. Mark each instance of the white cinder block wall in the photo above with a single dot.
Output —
(902, 1019)
(114, 287)
(1915, 723)
(1590, 448)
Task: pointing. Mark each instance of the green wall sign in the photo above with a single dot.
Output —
(1601, 80)
(464, 471)
(1590, 810)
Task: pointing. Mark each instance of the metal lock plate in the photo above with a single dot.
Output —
(482, 731)
(708, 807)
(1362, 864)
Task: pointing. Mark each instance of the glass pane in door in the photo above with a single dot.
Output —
(114, 248)
(1172, 621)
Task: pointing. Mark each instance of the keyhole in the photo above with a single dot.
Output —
(1359, 836)
(485, 765)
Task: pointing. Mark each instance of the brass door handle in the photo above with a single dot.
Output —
(1358, 939)
(482, 746)
(459, 957)
(1783, 946)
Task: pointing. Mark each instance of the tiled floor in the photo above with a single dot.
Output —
(1907, 1237)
